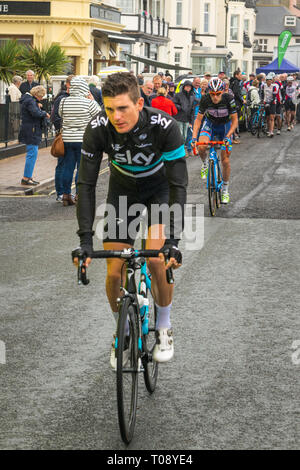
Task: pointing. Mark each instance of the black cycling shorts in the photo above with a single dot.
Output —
(289, 106)
(270, 109)
(127, 198)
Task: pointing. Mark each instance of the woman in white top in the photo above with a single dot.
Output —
(13, 89)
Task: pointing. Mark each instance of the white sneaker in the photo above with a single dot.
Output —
(164, 348)
(278, 132)
(113, 359)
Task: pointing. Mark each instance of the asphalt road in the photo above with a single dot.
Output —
(234, 380)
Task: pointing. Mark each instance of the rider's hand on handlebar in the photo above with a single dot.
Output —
(173, 254)
(193, 143)
(87, 249)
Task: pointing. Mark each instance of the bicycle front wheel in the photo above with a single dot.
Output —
(211, 188)
(127, 369)
(218, 190)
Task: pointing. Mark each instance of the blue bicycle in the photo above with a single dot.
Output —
(258, 121)
(135, 340)
(214, 176)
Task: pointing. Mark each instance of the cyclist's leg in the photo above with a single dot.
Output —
(226, 167)
(204, 136)
(161, 290)
(162, 293)
(113, 277)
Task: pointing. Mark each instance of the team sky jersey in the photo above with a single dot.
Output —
(218, 113)
(152, 150)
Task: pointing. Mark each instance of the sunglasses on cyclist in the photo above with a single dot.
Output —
(215, 93)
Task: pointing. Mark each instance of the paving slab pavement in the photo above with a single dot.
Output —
(11, 172)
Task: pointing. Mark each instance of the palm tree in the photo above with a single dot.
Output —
(46, 61)
(11, 61)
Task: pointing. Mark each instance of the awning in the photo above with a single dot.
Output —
(121, 39)
(113, 36)
(155, 63)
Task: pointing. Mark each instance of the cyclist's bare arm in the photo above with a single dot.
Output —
(234, 125)
(197, 125)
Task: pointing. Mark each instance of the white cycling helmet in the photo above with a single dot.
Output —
(290, 79)
(216, 84)
(270, 76)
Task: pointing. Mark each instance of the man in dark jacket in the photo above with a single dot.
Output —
(184, 102)
(25, 87)
(146, 90)
(236, 88)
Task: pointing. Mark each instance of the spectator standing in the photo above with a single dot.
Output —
(25, 87)
(204, 86)
(197, 99)
(96, 92)
(146, 91)
(253, 98)
(157, 83)
(14, 89)
(184, 102)
(31, 129)
(172, 89)
(164, 103)
(227, 89)
(76, 111)
(57, 122)
(236, 87)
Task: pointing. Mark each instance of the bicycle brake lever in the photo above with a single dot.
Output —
(169, 274)
(81, 271)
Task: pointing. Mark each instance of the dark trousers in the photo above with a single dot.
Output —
(70, 161)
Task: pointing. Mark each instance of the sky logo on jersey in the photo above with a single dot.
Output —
(143, 137)
(88, 154)
(99, 121)
(164, 122)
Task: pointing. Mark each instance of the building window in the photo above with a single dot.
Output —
(126, 6)
(246, 26)
(206, 17)
(297, 41)
(245, 67)
(234, 27)
(177, 61)
(290, 21)
(200, 65)
(263, 45)
(179, 13)
(233, 66)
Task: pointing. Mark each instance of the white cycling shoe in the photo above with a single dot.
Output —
(113, 359)
(164, 348)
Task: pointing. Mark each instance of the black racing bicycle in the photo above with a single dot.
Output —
(135, 340)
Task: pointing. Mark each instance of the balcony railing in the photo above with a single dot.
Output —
(146, 25)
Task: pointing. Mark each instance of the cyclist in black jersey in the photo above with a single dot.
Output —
(147, 166)
(218, 112)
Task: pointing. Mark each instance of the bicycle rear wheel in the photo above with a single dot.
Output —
(127, 369)
(149, 341)
(211, 188)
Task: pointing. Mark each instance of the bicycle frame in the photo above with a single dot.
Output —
(213, 156)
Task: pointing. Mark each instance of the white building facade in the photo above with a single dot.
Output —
(196, 34)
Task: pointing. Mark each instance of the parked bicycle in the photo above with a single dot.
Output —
(134, 347)
(258, 121)
(214, 176)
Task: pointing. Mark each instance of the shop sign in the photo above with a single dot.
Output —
(99, 12)
(25, 8)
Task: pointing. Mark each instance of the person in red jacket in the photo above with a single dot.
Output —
(164, 103)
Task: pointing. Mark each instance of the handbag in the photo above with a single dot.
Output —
(58, 146)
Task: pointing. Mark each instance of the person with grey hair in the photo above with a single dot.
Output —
(13, 89)
(31, 129)
(30, 83)
(96, 92)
